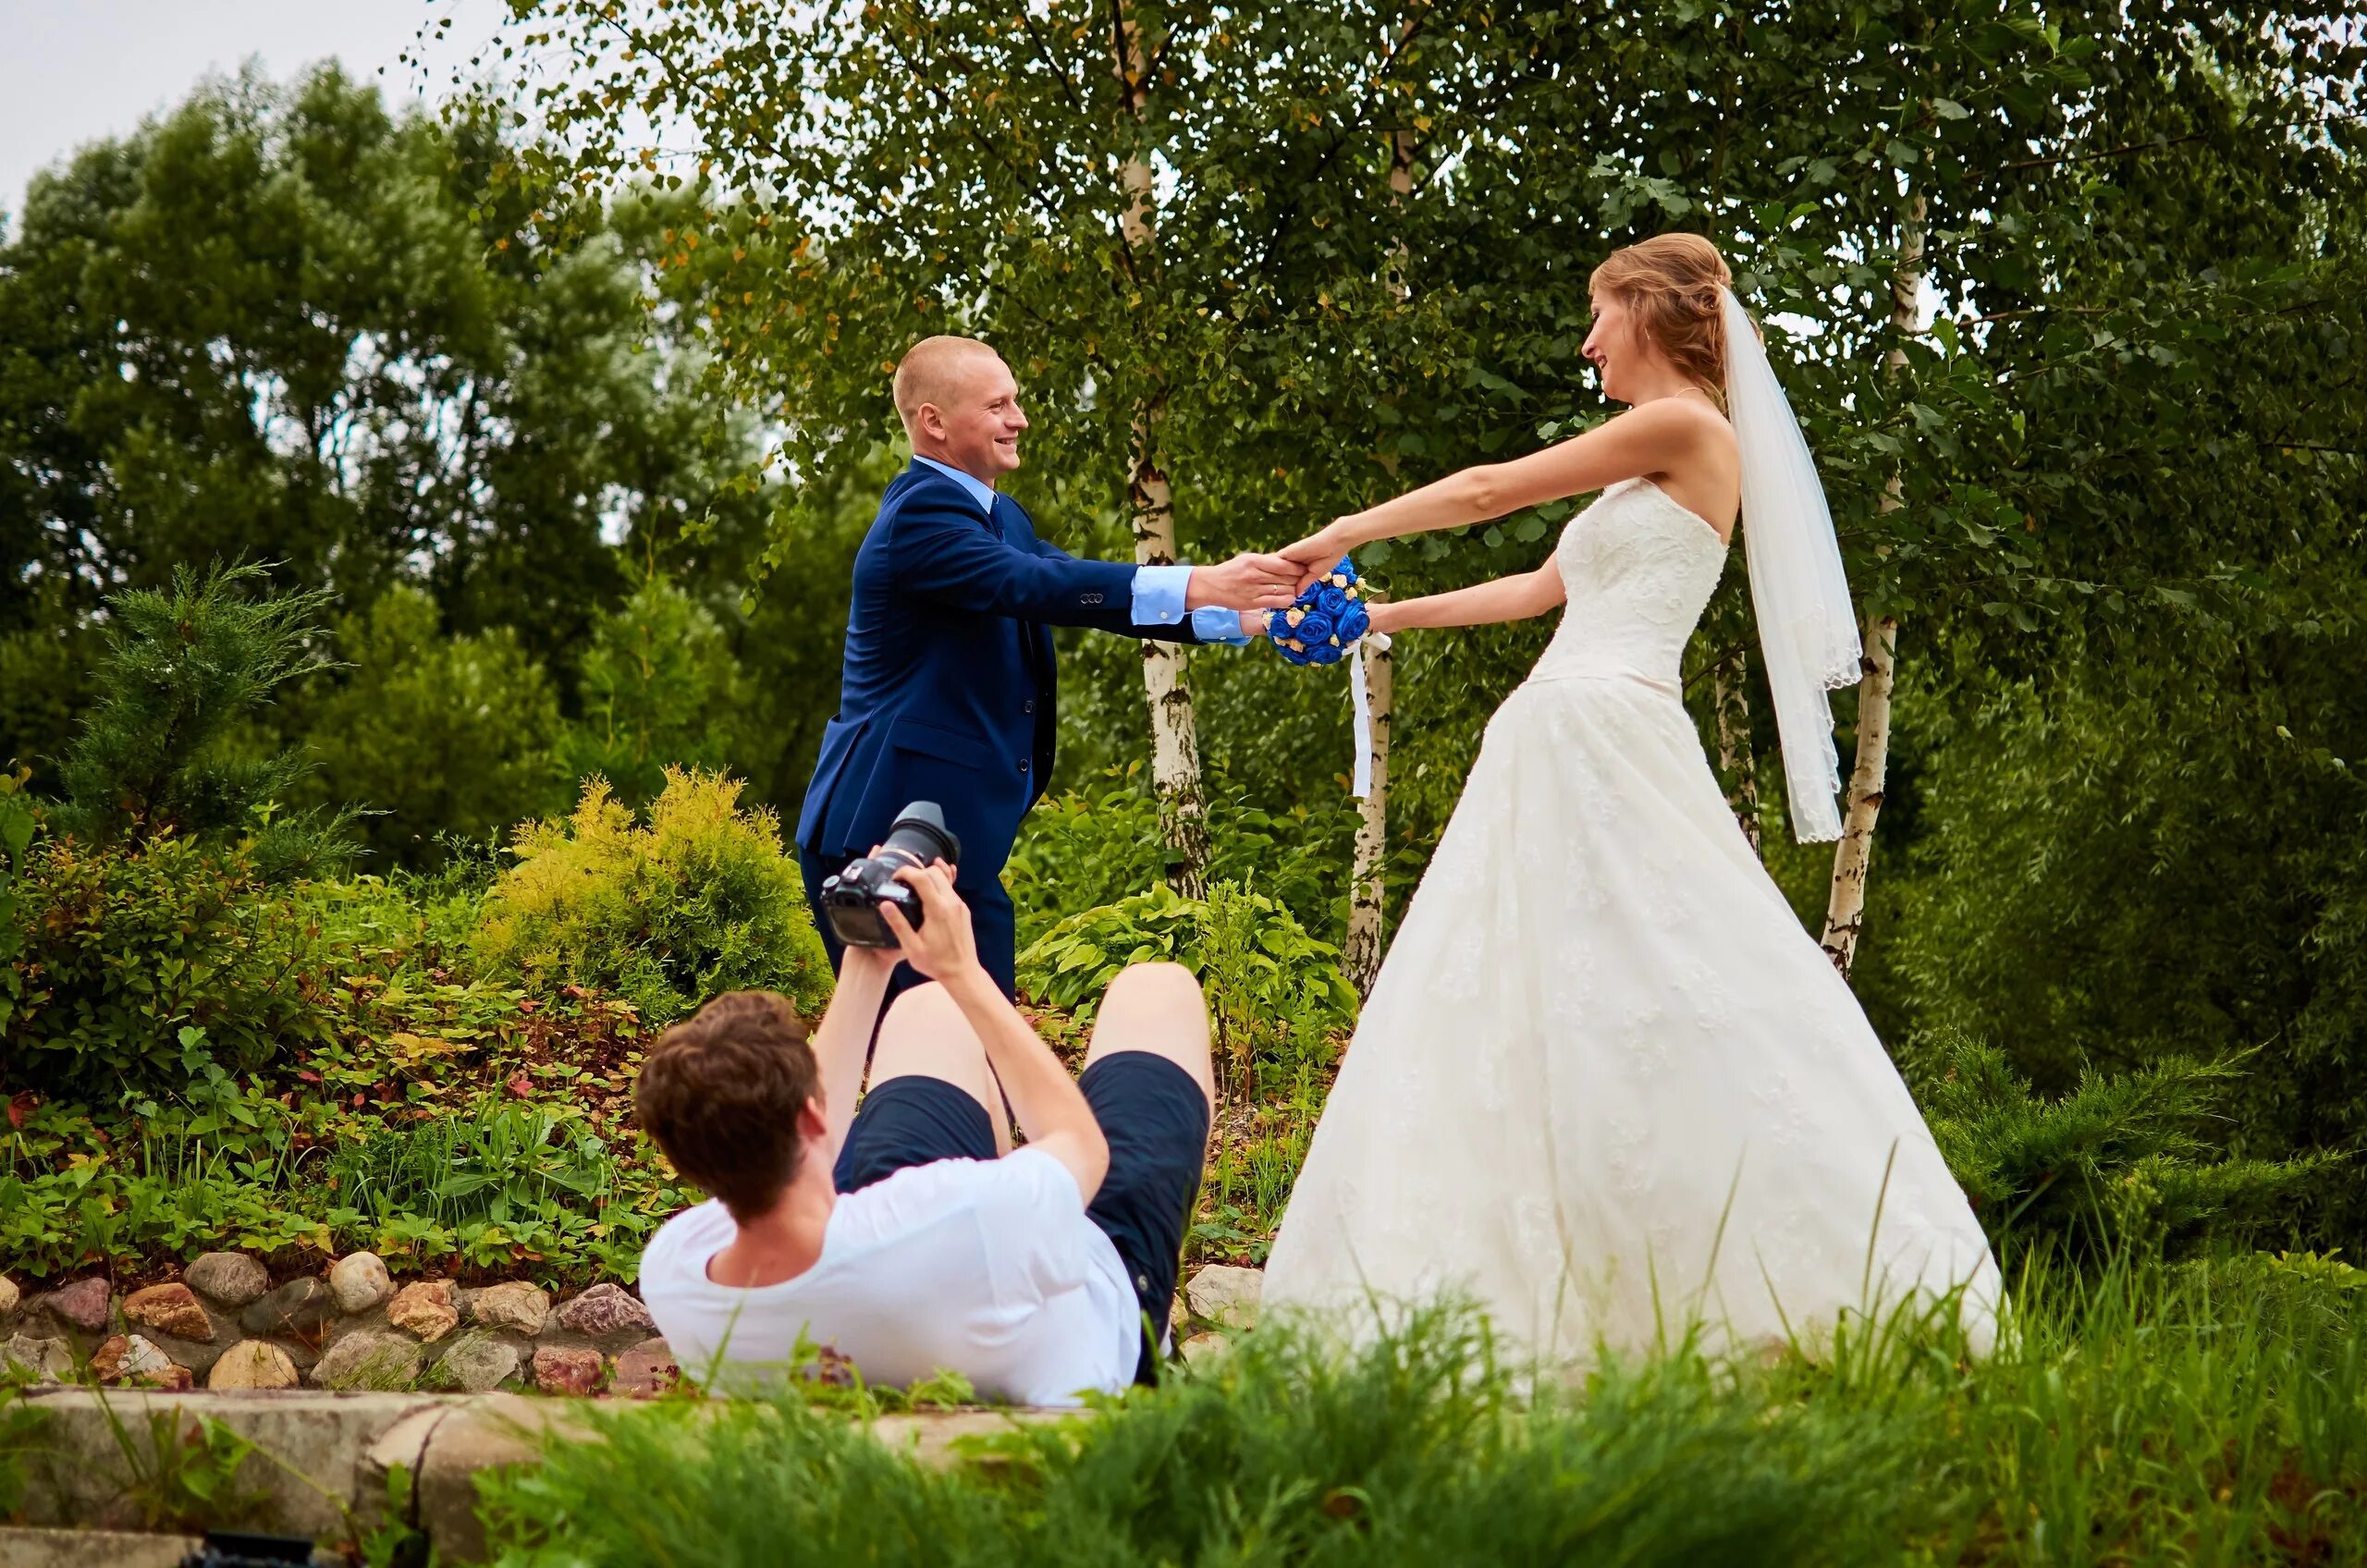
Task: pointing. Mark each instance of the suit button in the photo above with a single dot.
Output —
(1022, 768)
(1031, 704)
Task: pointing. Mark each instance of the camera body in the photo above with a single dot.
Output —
(850, 899)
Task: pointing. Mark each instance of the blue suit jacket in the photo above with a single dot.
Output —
(948, 690)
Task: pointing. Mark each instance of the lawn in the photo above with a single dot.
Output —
(2209, 1412)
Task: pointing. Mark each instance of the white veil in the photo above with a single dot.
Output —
(1807, 627)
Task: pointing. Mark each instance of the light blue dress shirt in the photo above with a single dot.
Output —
(1158, 589)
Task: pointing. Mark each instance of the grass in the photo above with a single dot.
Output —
(2208, 1414)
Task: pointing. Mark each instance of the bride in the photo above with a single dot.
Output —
(1605, 1084)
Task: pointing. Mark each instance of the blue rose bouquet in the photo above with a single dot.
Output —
(1326, 621)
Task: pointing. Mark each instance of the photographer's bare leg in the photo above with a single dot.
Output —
(923, 1034)
(1158, 1008)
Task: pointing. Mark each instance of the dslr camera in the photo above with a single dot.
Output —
(850, 899)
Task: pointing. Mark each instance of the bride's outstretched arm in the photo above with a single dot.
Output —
(1649, 439)
(1506, 598)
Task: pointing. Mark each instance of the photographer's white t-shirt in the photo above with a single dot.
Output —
(985, 1268)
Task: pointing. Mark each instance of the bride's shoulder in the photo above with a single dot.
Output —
(1677, 428)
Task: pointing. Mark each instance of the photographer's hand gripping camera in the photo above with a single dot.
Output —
(851, 898)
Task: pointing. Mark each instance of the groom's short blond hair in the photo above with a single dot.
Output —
(930, 369)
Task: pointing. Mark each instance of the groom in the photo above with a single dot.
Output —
(947, 692)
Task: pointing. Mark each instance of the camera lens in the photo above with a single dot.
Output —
(920, 831)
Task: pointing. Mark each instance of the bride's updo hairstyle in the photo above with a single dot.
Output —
(1670, 282)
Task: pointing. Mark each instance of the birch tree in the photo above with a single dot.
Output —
(1150, 502)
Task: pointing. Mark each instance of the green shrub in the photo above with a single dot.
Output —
(2118, 1163)
(701, 900)
(18, 823)
(152, 966)
(1080, 850)
(660, 689)
(1276, 996)
(432, 735)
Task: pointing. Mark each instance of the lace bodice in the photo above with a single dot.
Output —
(1639, 569)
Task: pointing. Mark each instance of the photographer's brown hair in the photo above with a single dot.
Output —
(720, 1093)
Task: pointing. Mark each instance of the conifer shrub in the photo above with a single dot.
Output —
(2130, 1162)
(701, 897)
(163, 753)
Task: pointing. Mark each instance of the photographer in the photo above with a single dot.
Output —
(907, 1234)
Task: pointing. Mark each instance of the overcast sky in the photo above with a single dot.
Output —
(76, 71)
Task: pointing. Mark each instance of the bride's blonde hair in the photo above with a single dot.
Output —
(1671, 281)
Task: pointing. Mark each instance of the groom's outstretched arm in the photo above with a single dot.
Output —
(1164, 598)
(937, 551)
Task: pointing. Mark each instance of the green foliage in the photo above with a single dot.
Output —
(2146, 861)
(2119, 1165)
(20, 1442)
(184, 1473)
(1276, 996)
(2138, 1416)
(659, 688)
(1252, 1170)
(153, 966)
(158, 751)
(431, 736)
(17, 822)
(701, 900)
(523, 1167)
(1082, 849)
(397, 1105)
(278, 321)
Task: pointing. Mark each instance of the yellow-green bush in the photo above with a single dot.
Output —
(700, 898)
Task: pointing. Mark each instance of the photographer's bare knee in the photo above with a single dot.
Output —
(926, 1035)
(1157, 1008)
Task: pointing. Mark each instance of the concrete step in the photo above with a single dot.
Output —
(323, 1459)
(89, 1548)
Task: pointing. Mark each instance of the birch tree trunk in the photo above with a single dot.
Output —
(1150, 506)
(1844, 909)
(1360, 954)
(1736, 760)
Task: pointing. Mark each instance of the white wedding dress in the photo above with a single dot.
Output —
(1605, 1084)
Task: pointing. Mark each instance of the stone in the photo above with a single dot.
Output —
(475, 1363)
(171, 1308)
(230, 1279)
(559, 1371)
(1203, 1350)
(359, 1281)
(9, 1295)
(129, 1358)
(107, 1360)
(198, 1355)
(514, 1306)
(252, 1364)
(425, 1310)
(299, 1308)
(1225, 1297)
(606, 1309)
(82, 1304)
(46, 1359)
(368, 1358)
(646, 1370)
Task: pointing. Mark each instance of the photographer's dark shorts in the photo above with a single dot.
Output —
(1156, 1125)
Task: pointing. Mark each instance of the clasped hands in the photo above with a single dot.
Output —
(1254, 583)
